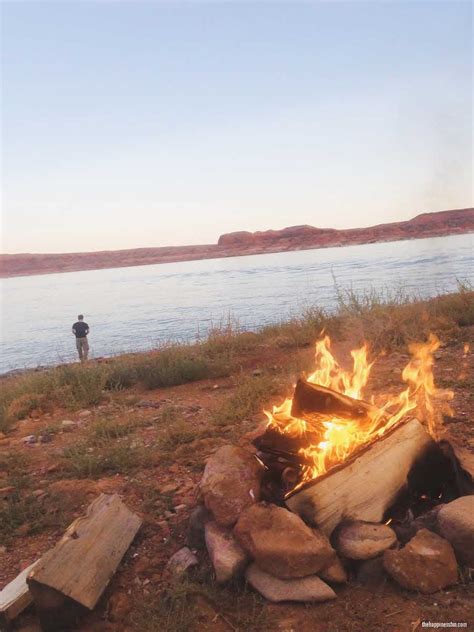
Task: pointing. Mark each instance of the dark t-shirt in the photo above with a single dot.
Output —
(80, 329)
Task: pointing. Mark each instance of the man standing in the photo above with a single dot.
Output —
(80, 330)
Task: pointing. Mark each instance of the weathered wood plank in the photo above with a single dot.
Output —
(15, 597)
(364, 486)
(83, 561)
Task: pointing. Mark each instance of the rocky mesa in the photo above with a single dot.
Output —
(243, 243)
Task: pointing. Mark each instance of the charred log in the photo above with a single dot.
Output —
(310, 399)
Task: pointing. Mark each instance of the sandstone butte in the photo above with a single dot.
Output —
(243, 243)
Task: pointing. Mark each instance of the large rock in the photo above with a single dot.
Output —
(281, 543)
(427, 563)
(360, 540)
(227, 556)
(456, 524)
(301, 589)
(230, 483)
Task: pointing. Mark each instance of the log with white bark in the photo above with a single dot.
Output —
(365, 485)
(79, 567)
(15, 597)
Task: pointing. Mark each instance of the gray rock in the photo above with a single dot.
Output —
(456, 524)
(227, 556)
(181, 561)
(427, 563)
(230, 483)
(310, 588)
(360, 540)
(29, 440)
(281, 543)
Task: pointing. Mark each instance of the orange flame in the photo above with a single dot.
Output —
(330, 440)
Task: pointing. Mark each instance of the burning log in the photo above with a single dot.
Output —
(365, 485)
(312, 398)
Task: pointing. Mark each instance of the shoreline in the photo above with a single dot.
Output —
(341, 312)
(213, 251)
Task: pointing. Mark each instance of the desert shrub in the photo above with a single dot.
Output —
(228, 338)
(110, 429)
(77, 386)
(247, 399)
(178, 365)
(388, 321)
(121, 374)
(176, 434)
(301, 330)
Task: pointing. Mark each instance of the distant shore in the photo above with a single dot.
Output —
(242, 243)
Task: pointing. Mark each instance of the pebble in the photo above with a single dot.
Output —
(169, 488)
(85, 413)
(181, 561)
(29, 440)
(68, 425)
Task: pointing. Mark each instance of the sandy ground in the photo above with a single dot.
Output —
(45, 477)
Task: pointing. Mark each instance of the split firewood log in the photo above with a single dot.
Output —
(365, 485)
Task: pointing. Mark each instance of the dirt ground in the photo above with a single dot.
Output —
(60, 477)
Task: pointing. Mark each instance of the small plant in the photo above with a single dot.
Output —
(178, 365)
(111, 429)
(175, 435)
(85, 460)
(248, 398)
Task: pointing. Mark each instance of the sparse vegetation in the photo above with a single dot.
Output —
(386, 321)
(22, 512)
(247, 399)
(87, 460)
(177, 608)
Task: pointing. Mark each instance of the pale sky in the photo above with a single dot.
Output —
(130, 124)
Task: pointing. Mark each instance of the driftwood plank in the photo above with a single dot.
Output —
(15, 597)
(83, 561)
(365, 485)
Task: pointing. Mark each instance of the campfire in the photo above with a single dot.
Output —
(327, 420)
(335, 478)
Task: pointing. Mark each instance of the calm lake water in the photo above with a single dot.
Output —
(133, 309)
